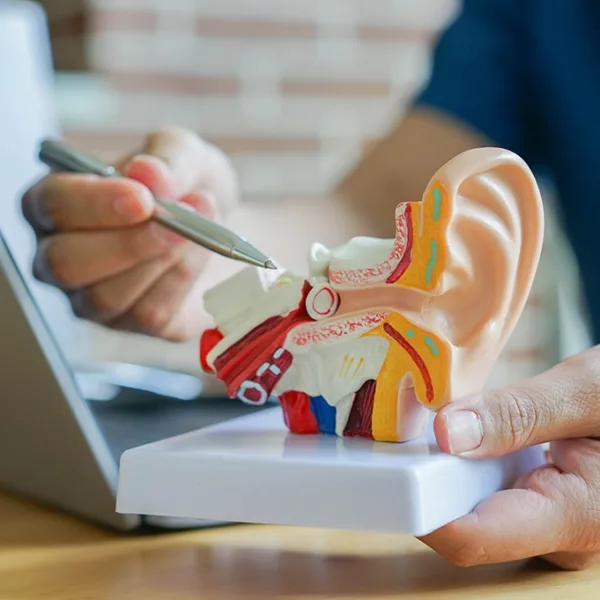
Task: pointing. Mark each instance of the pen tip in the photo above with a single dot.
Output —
(269, 264)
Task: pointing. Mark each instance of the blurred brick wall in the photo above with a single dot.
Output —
(293, 90)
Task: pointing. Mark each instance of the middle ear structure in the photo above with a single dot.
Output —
(372, 340)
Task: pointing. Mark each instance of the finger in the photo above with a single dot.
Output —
(581, 458)
(183, 153)
(155, 175)
(73, 260)
(578, 456)
(562, 403)
(72, 202)
(111, 298)
(195, 165)
(163, 310)
(510, 525)
(159, 311)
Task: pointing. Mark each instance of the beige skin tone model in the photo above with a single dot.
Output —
(97, 244)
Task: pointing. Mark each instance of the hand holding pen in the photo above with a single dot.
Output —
(175, 216)
(109, 244)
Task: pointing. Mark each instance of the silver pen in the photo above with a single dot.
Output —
(178, 218)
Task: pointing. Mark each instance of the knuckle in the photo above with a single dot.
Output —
(139, 243)
(519, 416)
(545, 481)
(35, 207)
(582, 384)
(184, 271)
(51, 265)
(588, 378)
(542, 480)
(580, 523)
(57, 266)
(99, 304)
(151, 318)
(575, 498)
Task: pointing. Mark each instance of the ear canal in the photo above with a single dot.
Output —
(494, 239)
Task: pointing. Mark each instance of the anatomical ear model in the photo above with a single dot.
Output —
(382, 331)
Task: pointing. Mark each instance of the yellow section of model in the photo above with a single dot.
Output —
(429, 220)
(415, 352)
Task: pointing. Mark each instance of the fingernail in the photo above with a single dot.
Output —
(134, 204)
(464, 431)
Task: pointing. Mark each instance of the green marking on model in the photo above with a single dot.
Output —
(431, 345)
(432, 260)
(437, 204)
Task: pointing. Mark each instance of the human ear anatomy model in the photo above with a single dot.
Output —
(383, 331)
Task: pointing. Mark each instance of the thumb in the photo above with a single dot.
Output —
(561, 403)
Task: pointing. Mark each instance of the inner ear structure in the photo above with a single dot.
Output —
(352, 349)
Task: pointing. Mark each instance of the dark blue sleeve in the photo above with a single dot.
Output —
(477, 70)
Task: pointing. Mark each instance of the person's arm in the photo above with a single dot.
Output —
(480, 70)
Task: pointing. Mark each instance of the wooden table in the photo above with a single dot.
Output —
(47, 555)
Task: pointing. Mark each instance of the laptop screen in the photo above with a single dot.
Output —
(27, 115)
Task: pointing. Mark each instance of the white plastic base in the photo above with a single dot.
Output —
(252, 470)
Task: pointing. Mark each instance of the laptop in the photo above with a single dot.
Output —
(59, 446)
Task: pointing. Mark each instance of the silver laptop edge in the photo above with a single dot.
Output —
(52, 447)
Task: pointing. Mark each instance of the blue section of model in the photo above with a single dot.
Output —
(324, 413)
